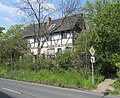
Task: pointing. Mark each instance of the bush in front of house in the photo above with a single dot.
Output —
(64, 59)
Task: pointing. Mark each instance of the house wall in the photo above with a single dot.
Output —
(57, 42)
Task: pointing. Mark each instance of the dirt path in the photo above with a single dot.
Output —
(102, 87)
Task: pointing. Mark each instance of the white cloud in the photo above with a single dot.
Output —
(17, 1)
(9, 20)
(45, 5)
(14, 11)
(8, 9)
(6, 22)
(49, 6)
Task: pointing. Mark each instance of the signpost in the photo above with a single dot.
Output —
(92, 52)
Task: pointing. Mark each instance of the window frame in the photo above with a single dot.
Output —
(63, 35)
(49, 38)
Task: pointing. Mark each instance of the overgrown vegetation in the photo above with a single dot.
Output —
(69, 68)
(12, 44)
(116, 85)
(54, 76)
(103, 34)
(48, 72)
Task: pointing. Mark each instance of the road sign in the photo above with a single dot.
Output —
(92, 59)
(92, 51)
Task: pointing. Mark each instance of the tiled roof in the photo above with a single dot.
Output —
(68, 24)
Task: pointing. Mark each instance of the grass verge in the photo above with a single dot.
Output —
(55, 76)
(116, 85)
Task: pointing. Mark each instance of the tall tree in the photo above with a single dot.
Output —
(91, 9)
(1, 29)
(107, 41)
(38, 10)
(2, 35)
(13, 45)
(103, 34)
(108, 30)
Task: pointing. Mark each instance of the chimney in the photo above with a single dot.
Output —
(48, 21)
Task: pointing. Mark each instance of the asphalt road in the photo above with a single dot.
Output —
(17, 89)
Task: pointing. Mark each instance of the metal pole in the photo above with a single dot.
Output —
(92, 73)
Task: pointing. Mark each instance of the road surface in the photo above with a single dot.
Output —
(18, 89)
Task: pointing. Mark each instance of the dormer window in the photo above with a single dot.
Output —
(51, 26)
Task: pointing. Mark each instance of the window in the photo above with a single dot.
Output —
(64, 35)
(68, 48)
(51, 51)
(59, 49)
(49, 38)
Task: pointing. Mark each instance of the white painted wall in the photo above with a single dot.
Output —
(30, 40)
(56, 43)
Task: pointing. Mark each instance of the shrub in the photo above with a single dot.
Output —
(26, 63)
(43, 63)
(99, 79)
(115, 60)
(64, 59)
(116, 85)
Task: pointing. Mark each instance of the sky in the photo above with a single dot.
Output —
(9, 12)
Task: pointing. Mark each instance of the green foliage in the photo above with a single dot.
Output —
(107, 42)
(115, 59)
(27, 63)
(12, 45)
(107, 29)
(14, 29)
(91, 9)
(64, 59)
(1, 29)
(43, 63)
(99, 79)
(70, 68)
(118, 73)
(55, 76)
(116, 85)
(103, 33)
(82, 43)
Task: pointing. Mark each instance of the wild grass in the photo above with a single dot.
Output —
(54, 76)
(116, 85)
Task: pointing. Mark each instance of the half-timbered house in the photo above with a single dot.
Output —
(62, 36)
